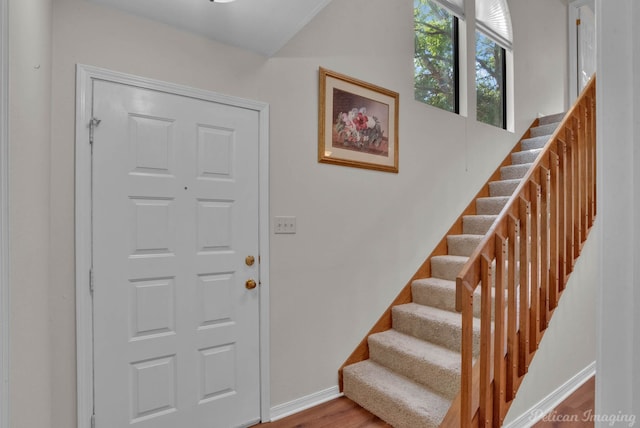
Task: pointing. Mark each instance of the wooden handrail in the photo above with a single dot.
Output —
(530, 250)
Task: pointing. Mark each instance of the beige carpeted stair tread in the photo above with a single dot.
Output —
(503, 187)
(477, 224)
(435, 325)
(525, 156)
(491, 205)
(547, 129)
(510, 172)
(394, 398)
(431, 365)
(447, 266)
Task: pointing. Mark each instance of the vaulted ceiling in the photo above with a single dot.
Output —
(262, 26)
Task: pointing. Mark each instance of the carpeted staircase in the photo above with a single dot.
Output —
(413, 371)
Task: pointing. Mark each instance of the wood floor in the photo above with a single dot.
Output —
(576, 411)
(344, 413)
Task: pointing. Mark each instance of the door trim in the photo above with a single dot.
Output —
(4, 215)
(85, 76)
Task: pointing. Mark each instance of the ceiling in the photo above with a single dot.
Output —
(262, 26)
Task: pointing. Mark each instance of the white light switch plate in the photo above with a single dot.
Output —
(285, 225)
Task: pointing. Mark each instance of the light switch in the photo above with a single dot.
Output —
(285, 225)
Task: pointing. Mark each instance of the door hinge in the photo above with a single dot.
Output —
(91, 281)
(578, 21)
(93, 123)
(93, 421)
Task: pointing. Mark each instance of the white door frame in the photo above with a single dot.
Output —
(85, 75)
(4, 213)
(573, 46)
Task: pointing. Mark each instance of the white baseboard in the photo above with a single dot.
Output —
(551, 401)
(299, 404)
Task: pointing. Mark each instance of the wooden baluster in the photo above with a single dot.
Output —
(591, 163)
(466, 375)
(512, 286)
(562, 213)
(486, 407)
(534, 297)
(499, 339)
(578, 183)
(525, 261)
(594, 209)
(554, 227)
(584, 174)
(570, 212)
(545, 187)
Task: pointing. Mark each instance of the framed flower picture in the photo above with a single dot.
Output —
(358, 123)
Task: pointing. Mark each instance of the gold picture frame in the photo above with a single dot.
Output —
(357, 123)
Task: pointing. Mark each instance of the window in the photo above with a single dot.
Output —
(436, 55)
(490, 81)
(493, 37)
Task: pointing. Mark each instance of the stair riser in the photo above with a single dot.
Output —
(445, 381)
(434, 331)
(534, 143)
(514, 171)
(446, 269)
(441, 298)
(500, 188)
(523, 157)
(541, 130)
(490, 206)
(463, 245)
(477, 225)
(552, 118)
(377, 403)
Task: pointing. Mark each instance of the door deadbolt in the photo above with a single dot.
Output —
(250, 260)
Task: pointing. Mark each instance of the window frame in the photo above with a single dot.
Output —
(503, 81)
(455, 41)
(456, 63)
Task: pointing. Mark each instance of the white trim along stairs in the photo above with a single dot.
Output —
(412, 375)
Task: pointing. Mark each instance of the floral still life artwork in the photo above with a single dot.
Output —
(358, 123)
(357, 130)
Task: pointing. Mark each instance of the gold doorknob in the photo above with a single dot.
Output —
(249, 260)
(250, 284)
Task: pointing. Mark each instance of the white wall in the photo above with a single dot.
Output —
(361, 234)
(618, 380)
(29, 142)
(635, 379)
(4, 214)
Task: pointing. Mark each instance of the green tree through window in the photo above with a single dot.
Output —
(436, 61)
(435, 55)
(490, 81)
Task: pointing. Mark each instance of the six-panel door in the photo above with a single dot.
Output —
(175, 214)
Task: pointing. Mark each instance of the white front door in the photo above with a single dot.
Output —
(174, 217)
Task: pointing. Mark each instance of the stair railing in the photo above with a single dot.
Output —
(527, 256)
